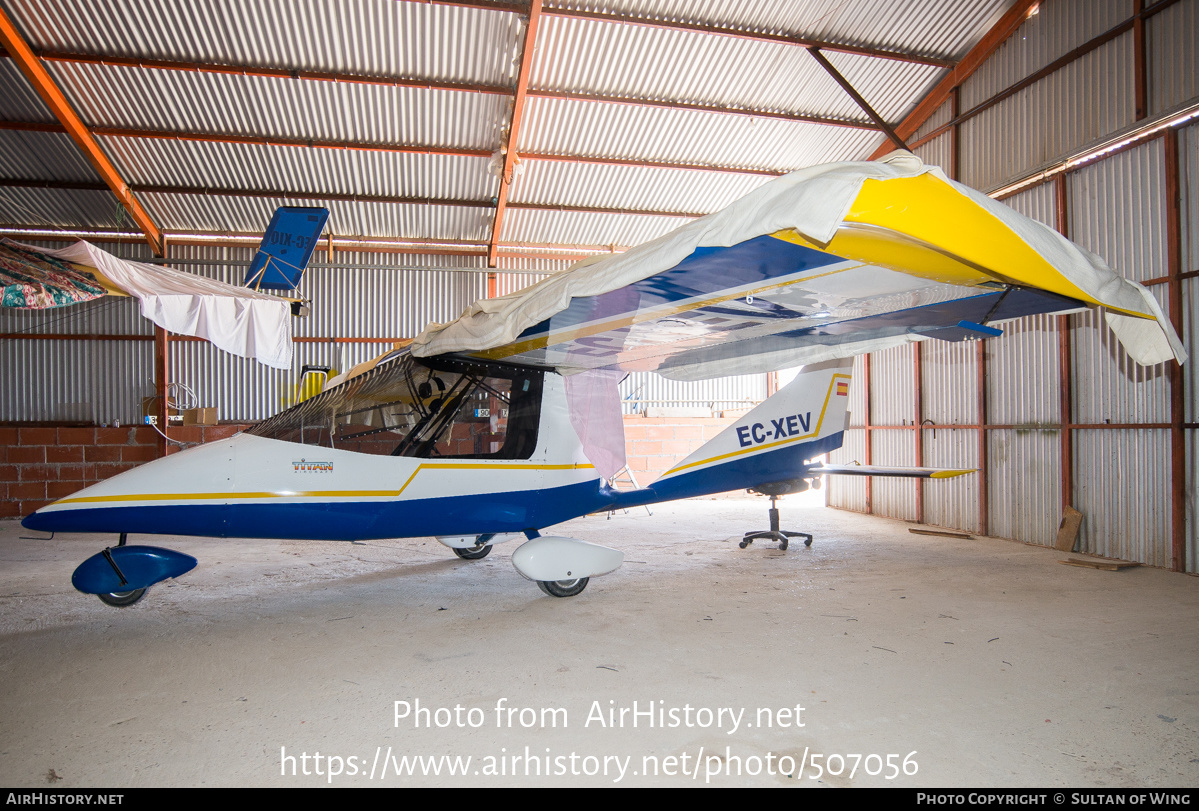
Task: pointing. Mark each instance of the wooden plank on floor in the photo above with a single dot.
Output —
(1067, 530)
(1106, 565)
(947, 533)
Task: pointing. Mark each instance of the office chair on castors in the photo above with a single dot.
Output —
(774, 490)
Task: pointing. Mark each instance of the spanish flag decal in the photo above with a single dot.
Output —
(842, 388)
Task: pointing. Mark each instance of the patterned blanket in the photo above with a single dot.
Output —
(32, 280)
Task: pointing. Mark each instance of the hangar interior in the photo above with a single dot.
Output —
(469, 149)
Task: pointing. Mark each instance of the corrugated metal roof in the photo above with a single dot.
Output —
(354, 44)
(43, 156)
(177, 101)
(227, 214)
(626, 61)
(412, 40)
(638, 188)
(301, 170)
(585, 228)
(20, 102)
(596, 129)
(891, 88)
(57, 208)
(938, 28)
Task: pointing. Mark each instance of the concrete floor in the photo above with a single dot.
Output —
(970, 662)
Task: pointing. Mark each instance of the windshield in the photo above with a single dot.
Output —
(421, 408)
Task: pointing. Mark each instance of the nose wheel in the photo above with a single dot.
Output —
(120, 599)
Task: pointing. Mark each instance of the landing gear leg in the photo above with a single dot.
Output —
(477, 552)
(120, 599)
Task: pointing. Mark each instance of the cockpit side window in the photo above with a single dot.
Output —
(443, 409)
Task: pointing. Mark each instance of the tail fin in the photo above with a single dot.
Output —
(774, 441)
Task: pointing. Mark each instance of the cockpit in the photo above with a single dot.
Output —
(424, 408)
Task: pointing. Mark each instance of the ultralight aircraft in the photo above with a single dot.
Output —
(507, 421)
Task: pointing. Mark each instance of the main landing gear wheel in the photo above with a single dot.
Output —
(473, 553)
(120, 599)
(563, 588)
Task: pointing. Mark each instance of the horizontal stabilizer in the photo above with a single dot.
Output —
(900, 472)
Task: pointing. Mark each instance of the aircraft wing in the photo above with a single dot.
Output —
(828, 262)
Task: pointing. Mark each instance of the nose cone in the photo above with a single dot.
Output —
(182, 494)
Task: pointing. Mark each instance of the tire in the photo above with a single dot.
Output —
(473, 552)
(121, 599)
(563, 588)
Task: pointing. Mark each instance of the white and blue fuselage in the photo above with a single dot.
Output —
(251, 486)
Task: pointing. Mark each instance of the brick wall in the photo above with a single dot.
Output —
(39, 464)
(653, 445)
(42, 463)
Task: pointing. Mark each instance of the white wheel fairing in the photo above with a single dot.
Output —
(550, 558)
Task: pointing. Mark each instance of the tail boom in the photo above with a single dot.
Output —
(775, 441)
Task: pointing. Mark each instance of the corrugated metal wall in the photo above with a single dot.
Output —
(362, 296)
(87, 380)
(1120, 440)
(1083, 101)
(645, 390)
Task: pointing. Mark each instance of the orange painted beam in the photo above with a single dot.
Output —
(62, 110)
(518, 106)
(962, 71)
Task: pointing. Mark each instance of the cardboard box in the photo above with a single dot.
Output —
(199, 416)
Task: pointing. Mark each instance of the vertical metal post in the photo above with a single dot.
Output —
(955, 134)
(869, 438)
(1178, 481)
(161, 380)
(1140, 72)
(918, 407)
(980, 368)
(1065, 402)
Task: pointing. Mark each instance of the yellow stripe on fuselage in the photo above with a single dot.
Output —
(315, 493)
(814, 432)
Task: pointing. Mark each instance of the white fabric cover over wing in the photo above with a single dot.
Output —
(237, 320)
(813, 202)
